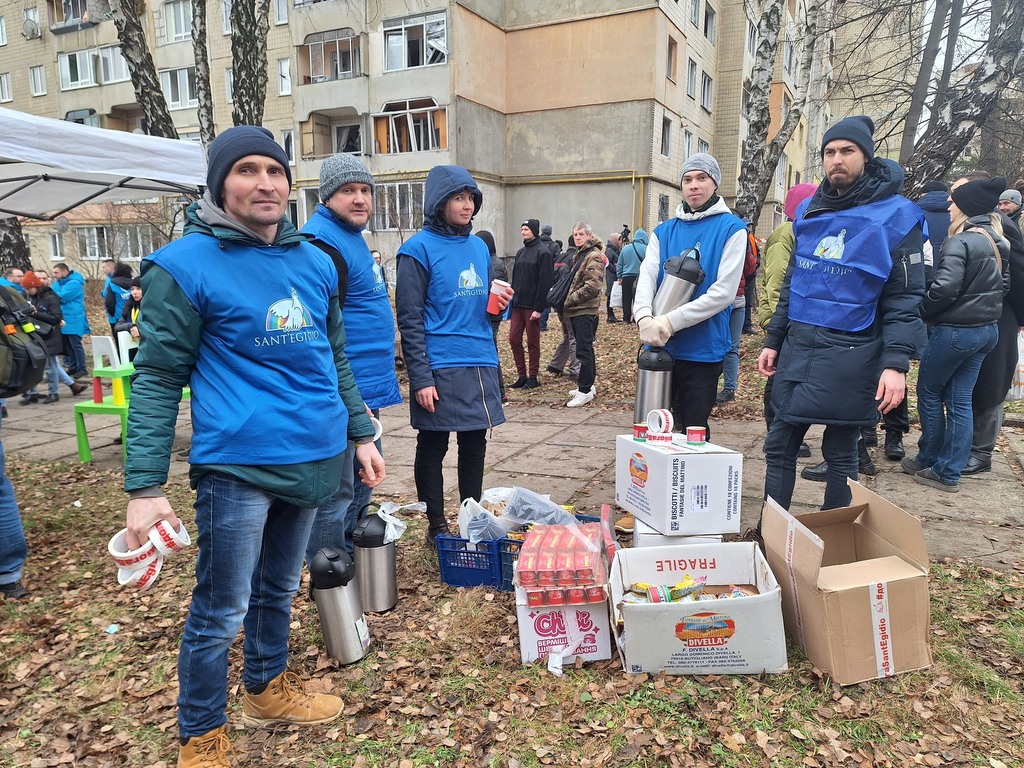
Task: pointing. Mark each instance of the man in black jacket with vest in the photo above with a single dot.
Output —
(847, 320)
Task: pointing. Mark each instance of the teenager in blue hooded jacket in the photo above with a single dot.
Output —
(443, 281)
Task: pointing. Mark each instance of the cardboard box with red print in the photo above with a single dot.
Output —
(727, 635)
(679, 489)
(573, 631)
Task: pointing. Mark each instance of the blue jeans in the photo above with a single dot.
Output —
(13, 549)
(838, 448)
(247, 572)
(949, 370)
(337, 517)
(74, 353)
(56, 375)
(732, 357)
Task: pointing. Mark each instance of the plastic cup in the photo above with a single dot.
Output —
(498, 288)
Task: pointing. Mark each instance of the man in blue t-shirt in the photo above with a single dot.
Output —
(346, 205)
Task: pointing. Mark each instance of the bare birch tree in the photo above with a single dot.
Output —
(13, 248)
(757, 169)
(204, 91)
(136, 52)
(250, 24)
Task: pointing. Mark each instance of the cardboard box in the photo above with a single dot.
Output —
(679, 489)
(583, 630)
(742, 635)
(645, 536)
(854, 584)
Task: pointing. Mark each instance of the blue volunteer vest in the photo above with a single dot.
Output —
(842, 260)
(455, 319)
(369, 323)
(264, 386)
(709, 341)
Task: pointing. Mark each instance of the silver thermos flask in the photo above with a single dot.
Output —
(333, 589)
(375, 564)
(683, 274)
(653, 382)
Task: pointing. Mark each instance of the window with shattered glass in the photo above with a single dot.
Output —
(415, 41)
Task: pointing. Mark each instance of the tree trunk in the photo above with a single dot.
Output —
(250, 25)
(13, 249)
(757, 170)
(970, 103)
(942, 85)
(924, 76)
(204, 92)
(156, 118)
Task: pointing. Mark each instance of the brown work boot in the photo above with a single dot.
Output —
(285, 701)
(211, 750)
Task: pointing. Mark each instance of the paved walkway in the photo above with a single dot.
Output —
(570, 454)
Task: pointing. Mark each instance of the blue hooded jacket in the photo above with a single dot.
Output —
(71, 290)
(631, 255)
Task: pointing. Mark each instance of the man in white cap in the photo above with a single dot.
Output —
(1009, 203)
(696, 334)
(346, 205)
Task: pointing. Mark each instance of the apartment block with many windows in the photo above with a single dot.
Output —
(561, 112)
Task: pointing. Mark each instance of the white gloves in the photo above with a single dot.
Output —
(655, 331)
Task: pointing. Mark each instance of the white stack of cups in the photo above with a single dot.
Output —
(140, 567)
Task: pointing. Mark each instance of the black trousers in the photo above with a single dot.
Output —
(628, 292)
(694, 391)
(584, 328)
(431, 448)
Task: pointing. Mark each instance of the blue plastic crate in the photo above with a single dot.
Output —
(464, 567)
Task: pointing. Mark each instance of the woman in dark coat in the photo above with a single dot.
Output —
(441, 296)
(962, 306)
(46, 309)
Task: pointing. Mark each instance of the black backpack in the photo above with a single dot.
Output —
(23, 354)
(559, 290)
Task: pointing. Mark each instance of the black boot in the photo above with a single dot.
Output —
(894, 446)
(437, 529)
(611, 317)
(870, 436)
(518, 383)
(532, 383)
(818, 473)
(865, 465)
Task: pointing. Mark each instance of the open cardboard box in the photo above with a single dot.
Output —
(742, 635)
(854, 585)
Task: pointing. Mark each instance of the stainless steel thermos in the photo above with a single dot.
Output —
(333, 589)
(375, 564)
(683, 274)
(653, 382)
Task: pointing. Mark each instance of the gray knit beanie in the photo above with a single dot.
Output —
(702, 161)
(338, 170)
(232, 145)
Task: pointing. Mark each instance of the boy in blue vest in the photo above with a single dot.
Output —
(847, 320)
(696, 334)
(244, 310)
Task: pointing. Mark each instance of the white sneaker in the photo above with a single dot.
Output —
(593, 391)
(581, 398)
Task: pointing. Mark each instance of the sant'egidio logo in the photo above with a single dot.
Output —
(288, 315)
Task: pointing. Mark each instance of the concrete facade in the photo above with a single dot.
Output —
(579, 109)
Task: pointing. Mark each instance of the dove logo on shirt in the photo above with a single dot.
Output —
(286, 318)
(470, 283)
(832, 247)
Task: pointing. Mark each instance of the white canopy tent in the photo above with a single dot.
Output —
(48, 167)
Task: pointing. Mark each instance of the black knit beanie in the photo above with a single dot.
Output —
(978, 197)
(534, 225)
(859, 129)
(231, 146)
